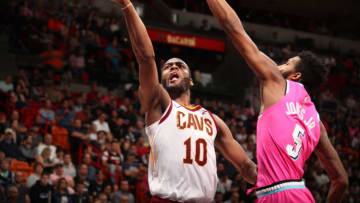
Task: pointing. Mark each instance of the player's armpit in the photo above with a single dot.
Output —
(234, 153)
(331, 162)
(155, 97)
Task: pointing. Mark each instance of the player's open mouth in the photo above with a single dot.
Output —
(173, 77)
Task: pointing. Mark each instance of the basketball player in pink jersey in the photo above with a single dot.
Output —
(182, 166)
(289, 128)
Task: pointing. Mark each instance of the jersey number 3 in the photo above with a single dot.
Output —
(200, 149)
(294, 151)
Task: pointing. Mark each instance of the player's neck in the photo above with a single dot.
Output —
(183, 99)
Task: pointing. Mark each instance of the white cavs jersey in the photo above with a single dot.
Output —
(182, 164)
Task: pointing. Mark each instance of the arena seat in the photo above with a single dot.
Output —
(60, 137)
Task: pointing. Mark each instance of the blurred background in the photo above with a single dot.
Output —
(70, 125)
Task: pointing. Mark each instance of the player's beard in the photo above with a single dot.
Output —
(177, 90)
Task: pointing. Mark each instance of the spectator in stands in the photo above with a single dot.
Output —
(98, 185)
(53, 58)
(118, 128)
(13, 195)
(113, 55)
(27, 150)
(22, 93)
(17, 126)
(132, 135)
(54, 93)
(80, 102)
(46, 113)
(235, 197)
(114, 159)
(351, 102)
(139, 129)
(22, 190)
(81, 194)
(64, 115)
(141, 147)
(25, 10)
(124, 190)
(92, 133)
(91, 169)
(108, 190)
(320, 177)
(131, 168)
(44, 159)
(77, 63)
(35, 176)
(7, 84)
(219, 197)
(114, 25)
(59, 159)
(8, 145)
(47, 144)
(69, 168)
(101, 124)
(62, 194)
(42, 191)
(36, 137)
(6, 176)
(101, 198)
(83, 176)
(224, 184)
(78, 134)
(59, 174)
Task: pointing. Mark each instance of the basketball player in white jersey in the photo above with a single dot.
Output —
(182, 166)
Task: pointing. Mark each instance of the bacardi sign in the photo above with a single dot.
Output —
(187, 40)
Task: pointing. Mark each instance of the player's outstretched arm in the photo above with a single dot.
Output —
(264, 68)
(149, 90)
(331, 162)
(234, 153)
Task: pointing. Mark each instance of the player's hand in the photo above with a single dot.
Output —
(121, 3)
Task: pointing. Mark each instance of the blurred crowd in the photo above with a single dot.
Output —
(62, 145)
(267, 17)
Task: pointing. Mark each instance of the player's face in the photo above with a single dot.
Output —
(288, 69)
(175, 75)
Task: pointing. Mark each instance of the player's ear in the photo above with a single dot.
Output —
(191, 82)
(295, 76)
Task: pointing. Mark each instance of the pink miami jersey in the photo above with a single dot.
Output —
(287, 134)
(182, 164)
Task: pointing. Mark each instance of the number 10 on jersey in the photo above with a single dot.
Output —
(200, 149)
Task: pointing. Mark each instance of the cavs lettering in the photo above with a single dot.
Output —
(193, 121)
(182, 142)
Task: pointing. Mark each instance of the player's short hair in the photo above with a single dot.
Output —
(312, 69)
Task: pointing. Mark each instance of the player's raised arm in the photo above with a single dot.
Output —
(264, 68)
(143, 49)
(331, 162)
(234, 153)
